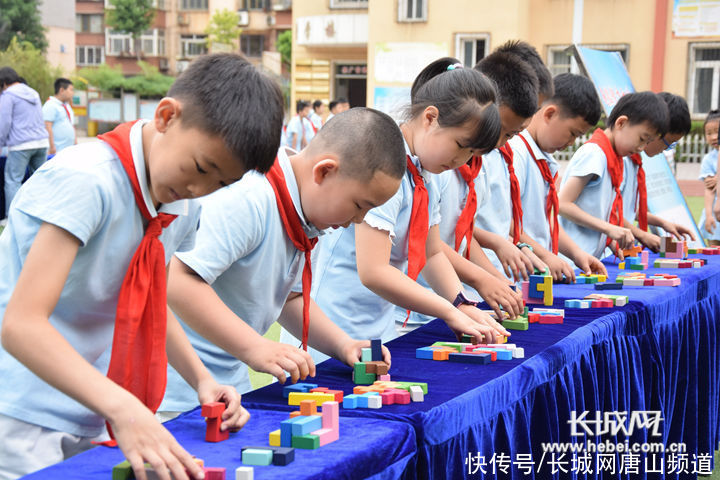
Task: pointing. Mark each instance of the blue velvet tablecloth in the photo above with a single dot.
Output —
(367, 449)
(658, 353)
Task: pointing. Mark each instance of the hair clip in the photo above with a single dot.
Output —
(454, 66)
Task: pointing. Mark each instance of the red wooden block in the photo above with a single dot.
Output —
(493, 353)
(402, 397)
(319, 389)
(601, 303)
(551, 319)
(533, 317)
(648, 282)
(212, 410)
(388, 397)
(212, 431)
(214, 473)
(338, 395)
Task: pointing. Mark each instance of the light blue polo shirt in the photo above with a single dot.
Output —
(85, 191)
(596, 198)
(708, 168)
(494, 213)
(62, 126)
(336, 286)
(244, 253)
(534, 190)
(298, 127)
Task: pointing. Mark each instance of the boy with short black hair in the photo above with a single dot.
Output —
(530, 55)
(571, 111)
(299, 129)
(590, 197)
(315, 117)
(71, 307)
(58, 116)
(245, 269)
(634, 189)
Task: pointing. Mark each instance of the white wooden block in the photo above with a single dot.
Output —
(620, 301)
(416, 394)
(244, 473)
(519, 353)
(375, 401)
(634, 282)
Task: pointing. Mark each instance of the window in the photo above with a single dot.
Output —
(558, 60)
(89, 23)
(194, 5)
(252, 45)
(88, 55)
(118, 43)
(471, 48)
(253, 4)
(704, 77)
(192, 45)
(412, 10)
(152, 43)
(349, 4)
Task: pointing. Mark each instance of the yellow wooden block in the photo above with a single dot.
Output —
(319, 397)
(274, 439)
(602, 278)
(621, 265)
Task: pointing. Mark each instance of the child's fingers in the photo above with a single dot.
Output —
(386, 355)
(238, 420)
(183, 462)
(137, 464)
(277, 372)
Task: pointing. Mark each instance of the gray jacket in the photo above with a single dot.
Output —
(20, 116)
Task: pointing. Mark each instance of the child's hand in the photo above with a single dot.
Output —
(235, 416)
(716, 210)
(142, 439)
(709, 224)
(710, 182)
(537, 264)
(589, 264)
(498, 295)
(559, 268)
(352, 352)
(275, 358)
(461, 324)
(483, 318)
(650, 241)
(678, 231)
(514, 263)
(623, 236)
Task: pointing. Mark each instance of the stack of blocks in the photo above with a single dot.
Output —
(592, 278)
(603, 300)
(385, 393)
(213, 415)
(546, 316)
(705, 250)
(538, 290)
(272, 455)
(309, 430)
(468, 353)
(679, 263)
(640, 262)
(637, 279)
(372, 365)
(124, 471)
(669, 248)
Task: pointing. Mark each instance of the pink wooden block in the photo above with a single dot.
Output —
(551, 319)
(663, 282)
(388, 397)
(214, 473)
(402, 397)
(384, 378)
(330, 415)
(326, 435)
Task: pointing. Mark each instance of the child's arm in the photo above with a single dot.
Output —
(184, 359)
(28, 335)
(373, 246)
(675, 229)
(478, 257)
(496, 293)
(648, 239)
(323, 334)
(709, 215)
(570, 210)
(516, 264)
(558, 267)
(583, 260)
(198, 305)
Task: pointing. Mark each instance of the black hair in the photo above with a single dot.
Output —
(332, 104)
(575, 96)
(225, 95)
(461, 95)
(61, 83)
(345, 134)
(342, 100)
(317, 104)
(22, 80)
(641, 107)
(515, 82)
(528, 53)
(301, 105)
(8, 76)
(712, 116)
(679, 113)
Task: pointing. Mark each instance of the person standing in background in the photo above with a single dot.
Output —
(58, 116)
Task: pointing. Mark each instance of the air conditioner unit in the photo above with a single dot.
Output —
(270, 20)
(183, 19)
(163, 63)
(243, 18)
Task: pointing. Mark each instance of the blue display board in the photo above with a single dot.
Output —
(611, 79)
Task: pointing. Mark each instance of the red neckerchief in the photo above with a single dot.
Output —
(552, 204)
(615, 169)
(517, 213)
(138, 362)
(642, 204)
(294, 230)
(419, 226)
(466, 221)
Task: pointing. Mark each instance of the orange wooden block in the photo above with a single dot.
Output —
(294, 414)
(308, 407)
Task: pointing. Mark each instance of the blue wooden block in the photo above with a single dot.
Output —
(609, 285)
(350, 401)
(362, 401)
(535, 280)
(502, 354)
(573, 304)
(286, 432)
(475, 358)
(633, 261)
(253, 456)
(425, 353)
(283, 456)
(298, 387)
(306, 425)
(376, 346)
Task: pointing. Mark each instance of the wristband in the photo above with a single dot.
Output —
(461, 299)
(522, 245)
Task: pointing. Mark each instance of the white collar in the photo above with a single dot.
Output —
(179, 207)
(416, 161)
(291, 182)
(539, 154)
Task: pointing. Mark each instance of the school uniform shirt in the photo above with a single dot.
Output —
(494, 212)
(61, 116)
(316, 120)
(336, 286)
(534, 190)
(596, 198)
(708, 168)
(630, 188)
(296, 126)
(84, 190)
(244, 253)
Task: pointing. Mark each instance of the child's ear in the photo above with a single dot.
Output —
(430, 115)
(168, 110)
(549, 112)
(325, 168)
(621, 121)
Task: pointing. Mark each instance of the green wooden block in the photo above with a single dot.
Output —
(407, 385)
(517, 324)
(360, 376)
(122, 471)
(466, 338)
(456, 345)
(662, 254)
(692, 250)
(306, 442)
(639, 266)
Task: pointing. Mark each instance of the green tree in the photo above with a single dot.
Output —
(21, 19)
(132, 17)
(284, 46)
(151, 83)
(30, 63)
(223, 30)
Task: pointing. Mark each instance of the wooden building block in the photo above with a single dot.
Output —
(123, 471)
(376, 348)
(274, 438)
(212, 410)
(304, 425)
(212, 430)
(283, 456)
(375, 401)
(244, 473)
(214, 473)
(306, 442)
(366, 355)
(326, 435)
(252, 456)
(308, 407)
(298, 387)
(416, 394)
(474, 358)
(331, 415)
(319, 397)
